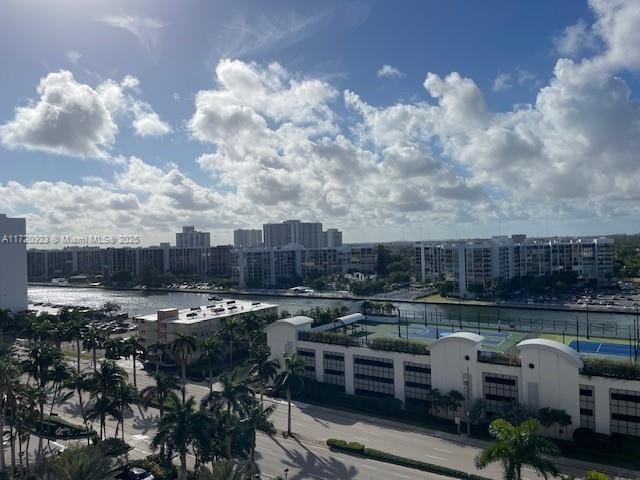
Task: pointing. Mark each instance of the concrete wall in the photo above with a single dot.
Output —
(13, 263)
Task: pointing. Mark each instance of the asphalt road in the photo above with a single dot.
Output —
(307, 456)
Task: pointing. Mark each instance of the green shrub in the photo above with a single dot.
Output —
(605, 367)
(155, 465)
(358, 448)
(330, 338)
(398, 345)
(593, 475)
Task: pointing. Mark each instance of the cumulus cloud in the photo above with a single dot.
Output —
(387, 71)
(575, 39)
(75, 119)
(520, 76)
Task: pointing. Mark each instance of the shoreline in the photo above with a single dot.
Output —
(279, 293)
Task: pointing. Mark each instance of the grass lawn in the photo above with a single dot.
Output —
(437, 298)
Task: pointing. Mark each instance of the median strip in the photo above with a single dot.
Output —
(359, 449)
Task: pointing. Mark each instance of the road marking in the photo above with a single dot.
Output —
(436, 458)
(442, 450)
(360, 438)
(401, 475)
(369, 466)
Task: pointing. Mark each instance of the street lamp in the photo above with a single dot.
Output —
(286, 473)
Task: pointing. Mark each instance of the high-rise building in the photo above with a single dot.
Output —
(247, 238)
(476, 266)
(293, 232)
(13, 263)
(332, 237)
(190, 237)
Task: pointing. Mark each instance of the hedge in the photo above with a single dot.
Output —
(330, 338)
(372, 453)
(399, 345)
(156, 466)
(604, 367)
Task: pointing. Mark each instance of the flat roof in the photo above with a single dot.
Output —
(221, 309)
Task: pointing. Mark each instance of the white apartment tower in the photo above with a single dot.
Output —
(190, 237)
(247, 238)
(13, 263)
(293, 232)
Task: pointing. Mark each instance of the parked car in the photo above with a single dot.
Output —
(135, 473)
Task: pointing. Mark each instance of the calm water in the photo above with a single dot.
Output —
(140, 302)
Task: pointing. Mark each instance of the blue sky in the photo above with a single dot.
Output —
(389, 120)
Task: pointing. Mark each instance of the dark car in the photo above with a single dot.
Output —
(135, 473)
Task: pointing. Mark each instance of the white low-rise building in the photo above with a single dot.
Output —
(13, 263)
(201, 322)
(544, 373)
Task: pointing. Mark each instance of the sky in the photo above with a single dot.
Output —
(388, 120)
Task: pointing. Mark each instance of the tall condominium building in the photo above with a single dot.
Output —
(43, 265)
(13, 263)
(247, 238)
(190, 237)
(476, 266)
(332, 237)
(293, 232)
(272, 266)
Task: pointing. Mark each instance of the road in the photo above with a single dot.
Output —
(308, 457)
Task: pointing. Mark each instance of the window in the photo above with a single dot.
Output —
(499, 391)
(625, 411)
(308, 356)
(373, 376)
(333, 365)
(587, 407)
(417, 380)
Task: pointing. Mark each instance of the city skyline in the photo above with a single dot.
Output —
(387, 123)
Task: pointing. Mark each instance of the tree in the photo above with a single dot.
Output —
(103, 385)
(133, 347)
(9, 385)
(75, 329)
(291, 380)
(257, 420)
(82, 463)
(110, 308)
(231, 330)
(234, 397)
(165, 388)
(157, 349)
(124, 397)
(211, 353)
(93, 339)
(224, 470)
(78, 382)
(181, 347)
(178, 429)
(516, 446)
(263, 367)
(113, 348)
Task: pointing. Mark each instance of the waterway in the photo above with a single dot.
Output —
(141, 302)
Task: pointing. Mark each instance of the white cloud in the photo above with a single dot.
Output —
(73, 56)
(575, 39)
(71, 118)
(502, 82)
(387, 71)
(520, 76)
(145, 29)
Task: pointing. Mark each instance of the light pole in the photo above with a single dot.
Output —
(286, 473)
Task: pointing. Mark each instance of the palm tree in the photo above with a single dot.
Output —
(231, 330)
(212, 354)
(82, 463)
(158, 349)
(79, 382)
(257, 420)
(165, 388)
(133, 347)
(264, 368)
(124, 397)
(516, 446)
(234, 398)
(103, 383)
(181, 347)
(93, 339)
(178, 429)
(9, 374)
(224, 470)
(113, 348)
(101, 407)
(291, 380)
(75, 327)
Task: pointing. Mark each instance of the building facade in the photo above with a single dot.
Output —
(247, 238)
(332, 238)
(269, 267)
(191, 238)
(544, 373)
(476, 266)
(13, 263)
(43, 265)
(293, 232)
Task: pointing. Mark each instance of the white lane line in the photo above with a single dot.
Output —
(401, 475)
(442, 450)
(436, 458)
(369, 466)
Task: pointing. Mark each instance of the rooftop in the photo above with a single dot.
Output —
(220, 309)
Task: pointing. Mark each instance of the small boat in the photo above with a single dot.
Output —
(214, 298)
